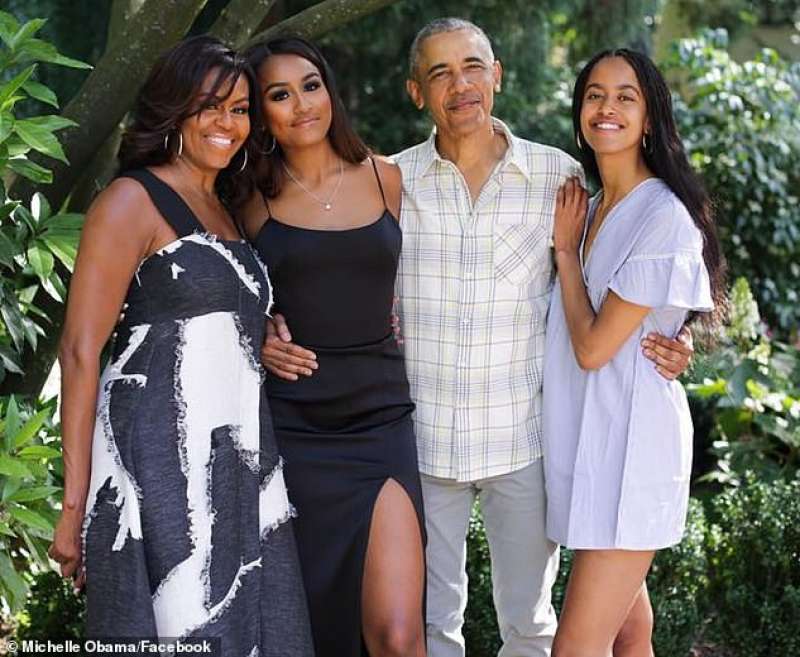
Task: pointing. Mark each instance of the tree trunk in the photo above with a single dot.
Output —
(322, 17)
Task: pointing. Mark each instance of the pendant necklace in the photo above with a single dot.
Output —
(327, 205)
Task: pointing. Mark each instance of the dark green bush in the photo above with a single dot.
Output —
(54, 611)
(678, 584)
(754, 558)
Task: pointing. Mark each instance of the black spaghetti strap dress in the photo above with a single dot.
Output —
(347, 429)
(187, 530)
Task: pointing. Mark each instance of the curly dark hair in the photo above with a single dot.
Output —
(172, 93)
(666, 157)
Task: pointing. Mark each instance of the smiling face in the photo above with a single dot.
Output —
(212, 136)
(455, 79)
(297, 106)
(613, 114)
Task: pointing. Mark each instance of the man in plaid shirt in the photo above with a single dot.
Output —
(473, 284)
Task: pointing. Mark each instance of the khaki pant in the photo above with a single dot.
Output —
(524, 561)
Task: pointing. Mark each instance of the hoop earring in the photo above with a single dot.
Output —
(166, 141)
(645, 144)
(272, 148)
(180, 143)
(579, 142)
(244, 163)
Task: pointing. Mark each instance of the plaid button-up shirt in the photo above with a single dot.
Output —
(474, 285)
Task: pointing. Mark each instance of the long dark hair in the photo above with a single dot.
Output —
(666, 158)
(172, 93)
(269, 175)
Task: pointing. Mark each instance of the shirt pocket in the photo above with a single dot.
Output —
(519, 250)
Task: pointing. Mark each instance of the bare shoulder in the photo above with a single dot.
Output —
(123, 206)
(392, 181)
(253, 214)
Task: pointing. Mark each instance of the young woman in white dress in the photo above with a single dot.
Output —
(618, 436)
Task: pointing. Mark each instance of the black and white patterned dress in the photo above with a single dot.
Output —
(186, 532)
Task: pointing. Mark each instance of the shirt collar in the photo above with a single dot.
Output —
(515, 154)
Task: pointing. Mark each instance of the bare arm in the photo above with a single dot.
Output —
(595, 338)
(392, 182)
(115, 238)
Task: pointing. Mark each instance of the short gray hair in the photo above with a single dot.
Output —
(440, 26)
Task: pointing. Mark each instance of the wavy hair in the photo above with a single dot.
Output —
(666, 157)
(173, 93)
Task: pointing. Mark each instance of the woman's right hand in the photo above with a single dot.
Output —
(66, 547)
(283, 358)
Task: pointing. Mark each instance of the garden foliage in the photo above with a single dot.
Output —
(33, 241)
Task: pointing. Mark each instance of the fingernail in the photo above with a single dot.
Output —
(648, 353)
(314, 366)
(651, 336)
(307, 372)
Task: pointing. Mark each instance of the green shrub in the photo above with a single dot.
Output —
(754, 557)
(54, 611)
(31, 473)
(750, 385)
(678, 586)
(32, 239)
(741, 126)
(481, 633)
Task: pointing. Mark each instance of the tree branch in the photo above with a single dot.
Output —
(321, 18)
(240, 19)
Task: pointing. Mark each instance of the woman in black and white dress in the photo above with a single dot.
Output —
(186, 530)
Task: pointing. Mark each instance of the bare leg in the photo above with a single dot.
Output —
(393, 578)
(635, 637)
(602, 589)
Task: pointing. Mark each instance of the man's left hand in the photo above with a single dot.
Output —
(671, 357)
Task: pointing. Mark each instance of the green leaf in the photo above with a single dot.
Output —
(36, 547)
(41, 260)
(12, 485)
(6, 530)
(40, 208)
(30, 518)
(30, 170)
(33, 493)
(8, 90)
(6, 125)
(9, 360)
(55, 287)
(40, 139)
(36, 452)
(50, 122)
(66, 250)
(8, 249)
(31, 427)
(41, 93)
(13, 582)
(11, 467)
(68, 223)
(13, 319)
(12, 422)
(38, 50)
(26, 32)
(9, 26)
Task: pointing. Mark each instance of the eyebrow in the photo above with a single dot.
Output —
(467, 60)
(313, 74)
(619, 87)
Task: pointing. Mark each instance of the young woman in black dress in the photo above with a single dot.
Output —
(322, 214)
(172, 469)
